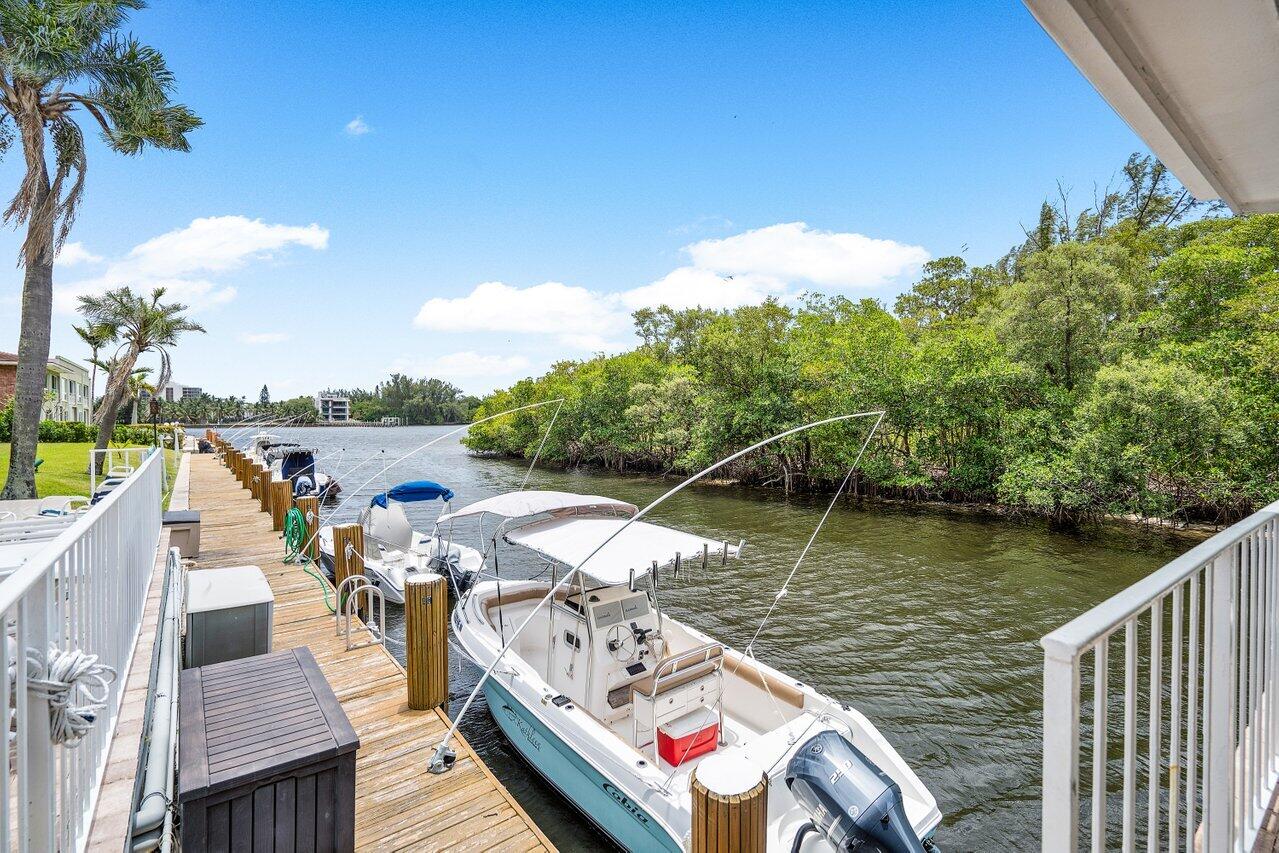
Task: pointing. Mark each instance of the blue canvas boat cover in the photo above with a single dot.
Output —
(414, 490)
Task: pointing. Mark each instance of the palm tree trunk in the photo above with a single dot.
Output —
(33, 359)
(117, 384)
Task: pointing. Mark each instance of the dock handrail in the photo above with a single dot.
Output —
(1211, 720)
(85, 589)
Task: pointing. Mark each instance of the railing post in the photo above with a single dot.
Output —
(36, 774)
(1061, 754)
(426, 647)
(1218, 668)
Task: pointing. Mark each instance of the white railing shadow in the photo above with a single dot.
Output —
(1195, 758)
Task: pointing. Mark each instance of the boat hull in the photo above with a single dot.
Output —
(602, 802)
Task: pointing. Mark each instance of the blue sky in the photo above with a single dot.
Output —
(476, 190)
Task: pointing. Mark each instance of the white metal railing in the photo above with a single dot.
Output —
(84, 590)
(1195, 759)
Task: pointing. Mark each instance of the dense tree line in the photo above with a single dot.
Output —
(1122, 360)
(413, 401)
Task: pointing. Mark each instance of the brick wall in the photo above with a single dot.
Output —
(8, 383)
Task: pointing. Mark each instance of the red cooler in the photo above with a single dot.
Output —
(688, 736)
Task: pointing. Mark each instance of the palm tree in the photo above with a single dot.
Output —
(144, 324)
(96, 337)
(61, 60)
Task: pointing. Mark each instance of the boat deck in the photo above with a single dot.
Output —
(397, 803)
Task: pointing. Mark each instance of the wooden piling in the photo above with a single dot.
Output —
(426, 646)
(255, 484)
(246, 474)
(345, 566)
(281, 502)
(730, 811)
(310, 507)
(264, 495)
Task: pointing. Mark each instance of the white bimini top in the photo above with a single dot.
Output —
(521, 504)
(571, 540)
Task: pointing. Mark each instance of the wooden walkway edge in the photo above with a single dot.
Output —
(398, 805)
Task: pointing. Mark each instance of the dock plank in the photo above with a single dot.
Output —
(397, 804)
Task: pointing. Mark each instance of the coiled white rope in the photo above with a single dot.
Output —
(75, 685)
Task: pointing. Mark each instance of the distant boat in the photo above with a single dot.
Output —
(393, 550)
(294, 462)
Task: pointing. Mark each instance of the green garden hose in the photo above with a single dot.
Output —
(295, 538)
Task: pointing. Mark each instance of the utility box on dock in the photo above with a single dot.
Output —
(267, 757)
(229, 614)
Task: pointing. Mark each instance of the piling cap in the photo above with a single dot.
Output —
(727, 774)
(422, 577)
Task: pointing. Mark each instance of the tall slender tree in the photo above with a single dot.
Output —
(144, 324)
(96, 337)
(61, 60)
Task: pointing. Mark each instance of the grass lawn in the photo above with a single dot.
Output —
(66, 467)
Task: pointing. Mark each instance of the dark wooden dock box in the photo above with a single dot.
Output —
(266, 757)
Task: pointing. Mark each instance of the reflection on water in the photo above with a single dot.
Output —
(926, 621)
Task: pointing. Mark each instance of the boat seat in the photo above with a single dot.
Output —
(747, 670)
(509, 598)
(681, 673)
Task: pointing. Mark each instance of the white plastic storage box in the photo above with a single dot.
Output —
(228, 615)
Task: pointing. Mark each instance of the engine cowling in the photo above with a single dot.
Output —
(853, 803)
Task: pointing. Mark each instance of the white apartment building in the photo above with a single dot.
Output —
(332, 409)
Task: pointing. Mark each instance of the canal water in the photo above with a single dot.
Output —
(927, 621)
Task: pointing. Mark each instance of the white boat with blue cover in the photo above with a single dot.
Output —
(615, 703)
(393, 550)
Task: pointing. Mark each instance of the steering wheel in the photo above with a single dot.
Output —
(620, 642)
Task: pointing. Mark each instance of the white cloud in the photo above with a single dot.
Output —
(692, 287)
(182, 260)
(76, 253)
(777, 261)
(462, 365)
(357, 127)
(264, 337)
(792, 251)
(548, 308)
(218, 243)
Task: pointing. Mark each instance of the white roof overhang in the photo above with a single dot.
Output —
(1198, 81)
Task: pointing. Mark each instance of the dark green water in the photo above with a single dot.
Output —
(927, 621)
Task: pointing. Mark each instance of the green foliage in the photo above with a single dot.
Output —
(1117, 362)
(413, 401)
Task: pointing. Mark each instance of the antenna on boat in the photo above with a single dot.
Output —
(781, 592)
(443, 758)
(545, 436)
(438, 438)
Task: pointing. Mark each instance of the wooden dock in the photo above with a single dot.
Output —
(398, 805)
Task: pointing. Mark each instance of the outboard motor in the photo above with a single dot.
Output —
(852, 802)
(303, 486)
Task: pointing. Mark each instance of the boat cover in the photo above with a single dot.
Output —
(533, 502)
(414, 490)
(571, 540)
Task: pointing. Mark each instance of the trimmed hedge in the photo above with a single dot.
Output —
(58, 432)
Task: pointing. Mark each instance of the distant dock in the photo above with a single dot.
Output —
(398, 804)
